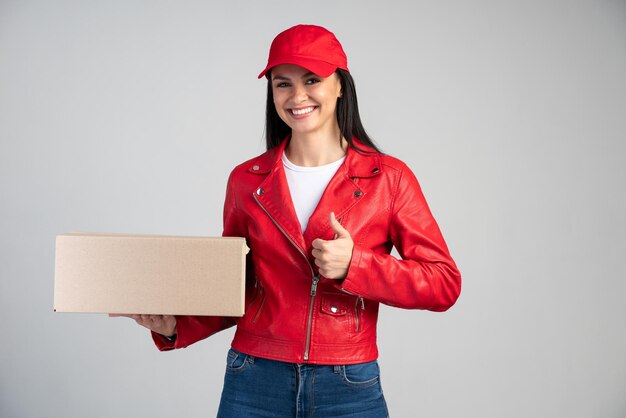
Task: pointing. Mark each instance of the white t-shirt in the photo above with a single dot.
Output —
(306, 185)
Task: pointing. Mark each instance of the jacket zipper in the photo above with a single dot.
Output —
(356, 311)
(307, 345)
(315, 280)
(258, 310)
(256, 293)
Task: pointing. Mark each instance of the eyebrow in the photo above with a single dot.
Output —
(280, 77)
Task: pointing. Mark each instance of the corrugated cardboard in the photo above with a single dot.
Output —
(149, 274)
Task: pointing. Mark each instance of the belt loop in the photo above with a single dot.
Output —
(337, 369)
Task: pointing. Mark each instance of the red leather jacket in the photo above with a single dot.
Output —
(294, 315)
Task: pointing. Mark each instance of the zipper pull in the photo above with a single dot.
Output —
(316, 279)
(362, 303)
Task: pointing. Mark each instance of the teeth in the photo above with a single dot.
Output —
(302, 111)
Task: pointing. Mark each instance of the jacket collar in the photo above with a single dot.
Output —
(343, 192)
(357, 163)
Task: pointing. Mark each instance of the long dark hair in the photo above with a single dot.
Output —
(347, 116)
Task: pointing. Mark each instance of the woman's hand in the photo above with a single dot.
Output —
(161, 324)
(333, 257)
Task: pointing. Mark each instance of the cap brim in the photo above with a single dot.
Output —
(317, 67)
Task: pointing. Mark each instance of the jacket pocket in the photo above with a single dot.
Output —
(340, 307)
(255, 306)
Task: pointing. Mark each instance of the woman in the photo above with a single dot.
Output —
(321, 210)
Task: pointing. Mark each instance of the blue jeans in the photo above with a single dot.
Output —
(255, 387)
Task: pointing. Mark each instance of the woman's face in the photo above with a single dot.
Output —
(305, 101)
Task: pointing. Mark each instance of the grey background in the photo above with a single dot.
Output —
(127, 116)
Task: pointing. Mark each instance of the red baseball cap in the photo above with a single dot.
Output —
(309, 46)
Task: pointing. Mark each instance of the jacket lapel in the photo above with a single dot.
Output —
(274, 197)
(344, 191)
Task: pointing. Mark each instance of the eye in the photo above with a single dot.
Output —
(281, 84)
(313, 81)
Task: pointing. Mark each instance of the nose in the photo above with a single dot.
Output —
(299, 93)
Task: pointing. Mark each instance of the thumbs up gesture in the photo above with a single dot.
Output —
(333, 257)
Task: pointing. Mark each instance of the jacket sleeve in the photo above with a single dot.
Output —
(190, 329)
(426, 277)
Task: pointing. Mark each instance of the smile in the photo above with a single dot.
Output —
(303, 111)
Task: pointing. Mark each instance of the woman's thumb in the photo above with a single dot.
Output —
(339, 230)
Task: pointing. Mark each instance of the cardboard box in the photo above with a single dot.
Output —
(149, 274)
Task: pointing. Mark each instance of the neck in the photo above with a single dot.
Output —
(315, 150)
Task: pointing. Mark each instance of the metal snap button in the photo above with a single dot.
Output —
(334, 309)
(260, 191)
(375, 170)
(255, 167)
(358, 193)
